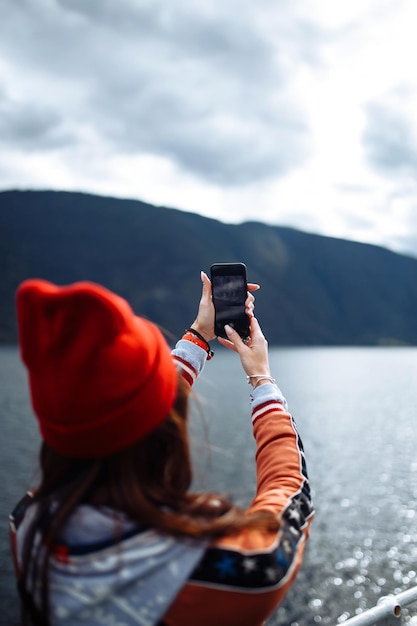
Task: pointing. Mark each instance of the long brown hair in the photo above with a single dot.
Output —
(149, 482)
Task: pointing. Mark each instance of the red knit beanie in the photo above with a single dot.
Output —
(100, 377)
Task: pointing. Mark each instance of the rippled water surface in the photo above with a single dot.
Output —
(356, 410)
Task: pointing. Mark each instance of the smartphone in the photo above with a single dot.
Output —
(229, 290)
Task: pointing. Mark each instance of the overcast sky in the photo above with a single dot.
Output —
(293, 112)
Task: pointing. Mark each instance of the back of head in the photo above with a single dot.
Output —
(101, 378)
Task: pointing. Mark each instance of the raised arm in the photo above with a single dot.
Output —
(282, 481)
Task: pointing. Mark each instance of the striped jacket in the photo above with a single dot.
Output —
(143, 577)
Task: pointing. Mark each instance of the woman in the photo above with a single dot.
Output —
(112, 534)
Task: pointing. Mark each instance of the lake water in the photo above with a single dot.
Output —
(356, 411)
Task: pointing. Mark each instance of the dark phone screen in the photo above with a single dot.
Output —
(229, 296)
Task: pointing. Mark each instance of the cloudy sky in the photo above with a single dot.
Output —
(294, 112)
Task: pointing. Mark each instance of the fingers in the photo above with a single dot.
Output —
(234, 338)
(251, 299)
(227, 343)
(249, 309)
(233, 341)
(250, 305)
(256, 331)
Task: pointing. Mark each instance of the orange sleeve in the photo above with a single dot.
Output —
(282, 481)
(280, 461)
(243, 578)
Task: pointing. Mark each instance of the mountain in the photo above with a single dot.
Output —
(315, 290)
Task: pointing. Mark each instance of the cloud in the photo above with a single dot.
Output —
(30, 126)
(390, 141)
(285, 112)
(205, 88)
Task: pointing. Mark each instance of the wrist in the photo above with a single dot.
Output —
(195, 337)
(255, 380)
(201, 331)
(264, 381)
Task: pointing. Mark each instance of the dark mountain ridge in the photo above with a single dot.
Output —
(315, 290)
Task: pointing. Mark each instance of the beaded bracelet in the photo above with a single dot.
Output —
(195, 337)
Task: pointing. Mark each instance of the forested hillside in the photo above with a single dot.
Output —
(315, 290)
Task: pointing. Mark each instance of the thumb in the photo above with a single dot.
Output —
(234, 336)
(206, 282)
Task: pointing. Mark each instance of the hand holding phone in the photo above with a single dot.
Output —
(229, 292)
